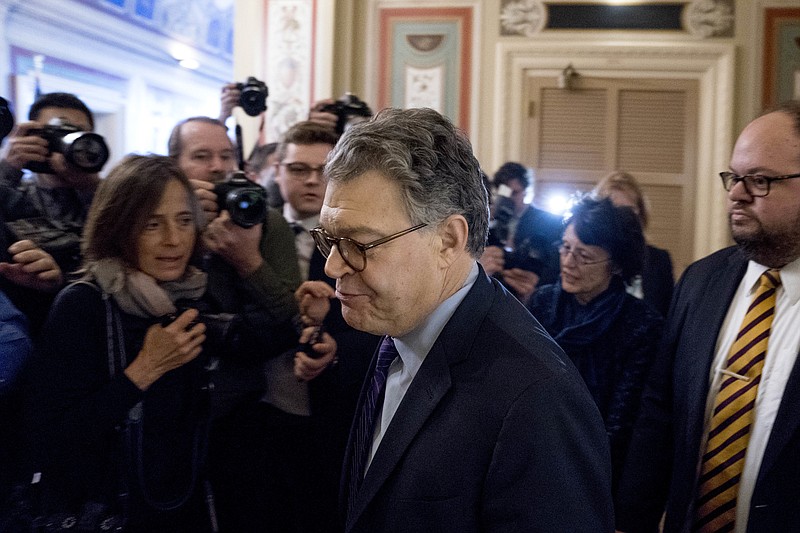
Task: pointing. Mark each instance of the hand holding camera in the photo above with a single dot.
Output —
(23, 146)
(310, 364)
(82, 150)
(347, 110)
(166, 348)
(236, 245)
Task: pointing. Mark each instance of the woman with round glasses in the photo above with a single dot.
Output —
(610, 335)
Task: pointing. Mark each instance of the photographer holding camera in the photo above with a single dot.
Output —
(167, 324)
(340, 114)
(42, 218)
(522, 248)
(257, 272)
(64, 157)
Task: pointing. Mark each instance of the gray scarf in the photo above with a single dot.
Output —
(141, 295)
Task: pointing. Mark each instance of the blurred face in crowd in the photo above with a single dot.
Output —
(300, 179)
(403, 278)
(517, 195)
(585, 269)
(167, 241)
(767, 228)
(207, 153)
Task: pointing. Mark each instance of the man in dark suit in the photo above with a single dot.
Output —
(471, 417)
(689, 423)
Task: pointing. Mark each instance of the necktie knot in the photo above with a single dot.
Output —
(770, 279)
(297, 228)
(386, 353)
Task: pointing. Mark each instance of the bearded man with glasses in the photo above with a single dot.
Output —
(471, 417)
(718, 437)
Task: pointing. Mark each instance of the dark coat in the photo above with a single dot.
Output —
(663, 459)
(497, 432)
(657, 278)
(612, 347)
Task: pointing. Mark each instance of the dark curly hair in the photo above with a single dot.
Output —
(614, 229)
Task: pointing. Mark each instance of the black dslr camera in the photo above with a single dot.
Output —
(223, 330)
(346, 109)
(245, 200)
(253, 98)
(526, 255)
(83, 150)
(6, 119)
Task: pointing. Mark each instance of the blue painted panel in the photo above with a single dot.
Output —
(448, 54)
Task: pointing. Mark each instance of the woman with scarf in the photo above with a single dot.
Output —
(126, 360)
(611, 336)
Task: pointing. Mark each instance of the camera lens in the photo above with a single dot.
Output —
(247, 206)
(87, 151)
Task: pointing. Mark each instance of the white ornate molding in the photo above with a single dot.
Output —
(710, 18)
(522, 17)
(711, 64)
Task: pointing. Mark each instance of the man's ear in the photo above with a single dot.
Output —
(454, 233)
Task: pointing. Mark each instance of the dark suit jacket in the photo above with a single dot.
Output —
(657, 278)
(497, 432)
(663, 459)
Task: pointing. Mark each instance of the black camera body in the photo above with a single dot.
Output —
(6, 119)
(346, 108)
(84, 150)
(253, 97)
(245, 200)
(525, 255)
(222, 329)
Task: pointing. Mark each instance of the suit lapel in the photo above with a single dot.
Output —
(704, 328)
(429, 386)
(786, 421)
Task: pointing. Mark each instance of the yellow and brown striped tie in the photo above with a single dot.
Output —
(729, 431)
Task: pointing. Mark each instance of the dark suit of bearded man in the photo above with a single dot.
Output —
(669, 462)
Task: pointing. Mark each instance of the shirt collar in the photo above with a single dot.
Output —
(414, 346)
(307, 223)
(790, 279)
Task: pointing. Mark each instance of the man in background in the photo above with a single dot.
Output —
(718, 435)
(256, 270)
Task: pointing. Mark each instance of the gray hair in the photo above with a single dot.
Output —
(429, 158)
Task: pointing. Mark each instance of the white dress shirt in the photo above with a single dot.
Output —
(782, 349)
(303, 242)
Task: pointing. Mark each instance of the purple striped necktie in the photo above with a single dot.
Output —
(366, 421)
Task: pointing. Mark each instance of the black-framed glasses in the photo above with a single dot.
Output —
(580, 256)
(353, 252)
(302, 171)
(755, 184)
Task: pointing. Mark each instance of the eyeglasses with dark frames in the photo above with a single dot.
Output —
(303, 171)
(353, 252)
(756, 185)
(579, 255)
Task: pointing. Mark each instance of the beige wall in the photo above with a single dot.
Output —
(348, 33)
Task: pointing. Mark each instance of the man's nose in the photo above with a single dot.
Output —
(739, 192)
(335, 266)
